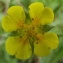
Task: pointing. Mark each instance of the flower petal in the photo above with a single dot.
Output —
(24, 51)
(36, 11)
(14, 19)
(12, 45)
(40, 48)
(9, 24)
(47, 16)
(17, 12)
(40, 14)
(19, 47)
(51, 40)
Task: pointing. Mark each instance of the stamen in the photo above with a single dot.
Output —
(33, 27)
(36, 42)
(32, 18)
(20, 36)
(22, 25)
(37, 38)
(36, 33)
(25, 31)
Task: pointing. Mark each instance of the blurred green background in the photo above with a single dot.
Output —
(56, 55)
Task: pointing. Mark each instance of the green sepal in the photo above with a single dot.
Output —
(14, 33)
(47, 28)
(19, 32)
(31, 41)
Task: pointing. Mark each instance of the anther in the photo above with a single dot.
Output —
(20, 36)
(36, 33)
(33, 27)
(22, 25)
(37, 38)
(32, 18)
(36, 42)
(25, 31)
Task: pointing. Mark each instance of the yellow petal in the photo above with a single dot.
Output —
(14, 19)
(9, 24)
(40, 14)
(19, 47)
(17, 12)
(40, 48)
(47, 16)
(24, 51)
(51, 40)
(36, 11)
(12, 45)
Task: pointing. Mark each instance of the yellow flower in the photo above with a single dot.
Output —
(30, 39)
